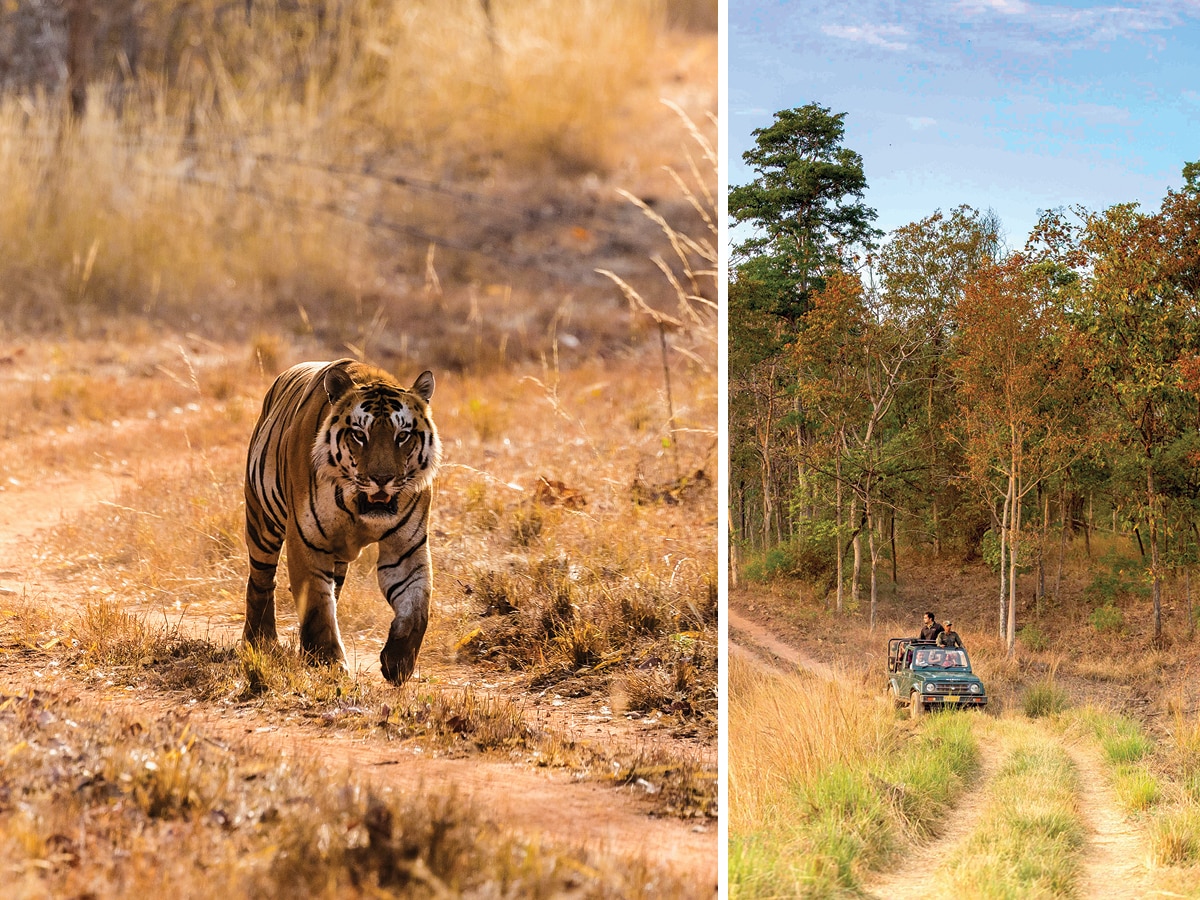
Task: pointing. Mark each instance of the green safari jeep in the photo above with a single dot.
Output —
(924, 676)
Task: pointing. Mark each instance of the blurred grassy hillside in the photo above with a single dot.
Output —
(432, 178)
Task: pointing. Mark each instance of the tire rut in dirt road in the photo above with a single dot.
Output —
(911, 879)
(1115, 854)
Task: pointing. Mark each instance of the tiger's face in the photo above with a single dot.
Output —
(378, 442)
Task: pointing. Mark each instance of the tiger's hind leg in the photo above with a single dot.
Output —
(263, 542)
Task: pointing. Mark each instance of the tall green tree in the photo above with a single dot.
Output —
(805, 204)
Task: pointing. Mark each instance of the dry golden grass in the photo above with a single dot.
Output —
(422, 125)
(163, 802)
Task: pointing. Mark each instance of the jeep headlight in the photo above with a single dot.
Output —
(976, 689)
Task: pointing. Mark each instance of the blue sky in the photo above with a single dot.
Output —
(1007, 105)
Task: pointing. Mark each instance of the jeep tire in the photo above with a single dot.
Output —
(915, 707)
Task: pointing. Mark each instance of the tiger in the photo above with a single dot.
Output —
(342, 456)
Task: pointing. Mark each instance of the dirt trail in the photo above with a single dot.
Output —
(911, 878)
(537, 803)
(1115, 856)
(767, 640)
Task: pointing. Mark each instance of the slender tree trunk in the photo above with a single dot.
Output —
(1041, 567)
(937, 531)
(856, 570)
(766, 499)
(1062, 548)
(80, 29)
(837, 540)
(1014, 532)
(1155, 575)
(1187, 591)
(1003, 559)
(1091, 523)
(892, 541)
(874, 549)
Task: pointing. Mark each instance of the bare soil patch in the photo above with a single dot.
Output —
(1115, 860)
(766, 639)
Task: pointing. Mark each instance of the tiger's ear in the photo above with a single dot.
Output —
(423, 386)
(337, 382)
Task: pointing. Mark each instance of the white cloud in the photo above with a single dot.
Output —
(1090, 24)
(875, 35)
(916, 123)
(1004, 7)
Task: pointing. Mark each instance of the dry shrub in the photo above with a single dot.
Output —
(556, 621)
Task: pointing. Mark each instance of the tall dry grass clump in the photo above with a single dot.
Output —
(280, 166)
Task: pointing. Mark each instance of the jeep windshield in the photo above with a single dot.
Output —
(940, 659)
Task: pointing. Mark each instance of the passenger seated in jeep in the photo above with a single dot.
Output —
(949, 637)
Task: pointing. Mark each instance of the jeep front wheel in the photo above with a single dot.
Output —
(915, 706)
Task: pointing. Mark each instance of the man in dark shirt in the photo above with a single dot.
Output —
(949, 637)
(931, 630)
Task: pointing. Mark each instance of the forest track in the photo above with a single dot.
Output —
(541, 804)
(1114, 864)
(911, 879)
(1114, 857)
(766, 640)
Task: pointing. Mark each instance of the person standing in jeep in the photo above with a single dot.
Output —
(949, 637)
(931, 630)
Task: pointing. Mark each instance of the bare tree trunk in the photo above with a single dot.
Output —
(1091, 523)
(1062, 547)
(937, 532)
(874, 549)
(1003, 558)
(765, 470)
(80, 38)
(1014, 538)
(1187, 591)
(1155, 575)
(1041, 564)
(837, 540)
(856, 571)
(892, 541)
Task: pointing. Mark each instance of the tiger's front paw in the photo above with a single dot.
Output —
(399, 655)
(321, 645)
